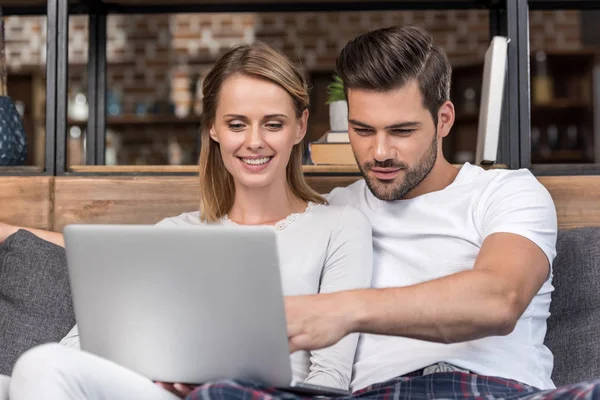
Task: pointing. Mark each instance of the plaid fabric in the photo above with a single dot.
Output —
(446, 385)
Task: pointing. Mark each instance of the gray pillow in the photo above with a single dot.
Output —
(35, 297)
(574, 324)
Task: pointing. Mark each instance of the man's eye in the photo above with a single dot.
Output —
(362, 131)
(403, 132)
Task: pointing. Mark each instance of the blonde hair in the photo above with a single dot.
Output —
(261, 61)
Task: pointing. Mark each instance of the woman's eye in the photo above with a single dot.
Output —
(274, 126)
(236, 127)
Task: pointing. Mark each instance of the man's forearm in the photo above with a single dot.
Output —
(459, 307)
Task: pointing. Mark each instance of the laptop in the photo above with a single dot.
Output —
(183, 304)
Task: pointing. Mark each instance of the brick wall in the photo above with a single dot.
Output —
(154, 56)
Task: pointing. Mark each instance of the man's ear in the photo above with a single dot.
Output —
(302, 127)
(213, 134)
(445, 119)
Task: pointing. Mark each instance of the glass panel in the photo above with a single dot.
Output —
(152, 119)
(564, 87)
(156, 63)
(77, 98)
(25, 53)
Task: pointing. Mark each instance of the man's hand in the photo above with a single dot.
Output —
(318, 321)
(178, 389)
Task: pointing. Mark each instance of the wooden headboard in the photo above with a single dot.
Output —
(53, 202)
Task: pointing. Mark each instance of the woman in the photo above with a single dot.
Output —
(255, 118)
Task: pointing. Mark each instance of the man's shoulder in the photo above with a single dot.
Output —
(347, 195)
(491, 180)
(514, 181)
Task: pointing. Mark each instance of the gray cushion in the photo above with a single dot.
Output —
(574, 325)
(35, 297)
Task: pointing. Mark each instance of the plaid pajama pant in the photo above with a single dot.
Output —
(444, 385)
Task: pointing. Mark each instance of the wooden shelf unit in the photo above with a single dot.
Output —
(562, 106)
(149, 119)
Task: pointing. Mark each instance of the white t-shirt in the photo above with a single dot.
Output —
(439, 234)
(324, 249)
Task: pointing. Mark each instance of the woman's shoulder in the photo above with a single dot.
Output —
(342, 215)
(187, 218)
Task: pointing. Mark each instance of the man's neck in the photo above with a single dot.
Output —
(441, 176)
(264, 205)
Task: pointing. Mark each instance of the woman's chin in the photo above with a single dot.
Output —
(255, 182)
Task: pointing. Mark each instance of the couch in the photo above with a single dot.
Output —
(40, 308)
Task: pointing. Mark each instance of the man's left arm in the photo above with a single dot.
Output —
(519, 227)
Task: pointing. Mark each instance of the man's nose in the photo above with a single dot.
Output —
(383, 149)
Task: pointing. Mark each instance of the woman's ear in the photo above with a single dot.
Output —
(213, 134)
(302, 127)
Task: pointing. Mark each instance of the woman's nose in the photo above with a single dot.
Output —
(254, 139)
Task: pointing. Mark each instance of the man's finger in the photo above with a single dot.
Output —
(183, 389)
(168, 387)
(293, 347)
(301, 342)
(293, 329)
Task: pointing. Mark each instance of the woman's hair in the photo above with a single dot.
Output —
(257, 61)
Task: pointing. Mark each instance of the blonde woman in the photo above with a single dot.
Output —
(255, 106)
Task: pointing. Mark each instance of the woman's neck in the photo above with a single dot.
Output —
(264, 206)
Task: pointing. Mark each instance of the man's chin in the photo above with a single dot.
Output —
(383, 190)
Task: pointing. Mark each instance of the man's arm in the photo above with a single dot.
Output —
(485, 301)
(517, 221)
(54, 237)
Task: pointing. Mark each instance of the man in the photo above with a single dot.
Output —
(462, 257)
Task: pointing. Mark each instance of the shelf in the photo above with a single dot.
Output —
(108, 169)
(279, 3)
(22, 169)
(142, 120)
(192, 169)
(559, 156)
(560, 104)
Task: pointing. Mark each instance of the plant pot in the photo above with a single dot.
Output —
(13, 141)
(338, 116)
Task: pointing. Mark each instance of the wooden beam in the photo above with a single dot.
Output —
(26, 201)
(577, 199)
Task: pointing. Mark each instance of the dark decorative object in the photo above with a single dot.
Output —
(13, 141)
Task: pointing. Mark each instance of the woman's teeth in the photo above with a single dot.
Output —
(256, 161)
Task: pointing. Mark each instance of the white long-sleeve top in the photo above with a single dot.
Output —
(322, 250)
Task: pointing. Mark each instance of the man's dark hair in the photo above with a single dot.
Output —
(388, 58)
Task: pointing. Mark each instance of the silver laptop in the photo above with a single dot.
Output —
(183, 304)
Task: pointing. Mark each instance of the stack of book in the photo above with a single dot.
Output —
(332, 149)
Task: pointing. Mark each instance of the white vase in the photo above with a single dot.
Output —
(338, 116)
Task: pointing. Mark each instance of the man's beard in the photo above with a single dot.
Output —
(413, 176)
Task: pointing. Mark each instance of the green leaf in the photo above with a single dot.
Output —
(335, 90)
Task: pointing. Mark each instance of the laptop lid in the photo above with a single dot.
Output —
(181, 304)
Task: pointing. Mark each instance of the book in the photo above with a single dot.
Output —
(322, 153)
(492, 94)
(337, 137)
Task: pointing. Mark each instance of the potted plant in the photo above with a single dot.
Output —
(338, 106)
